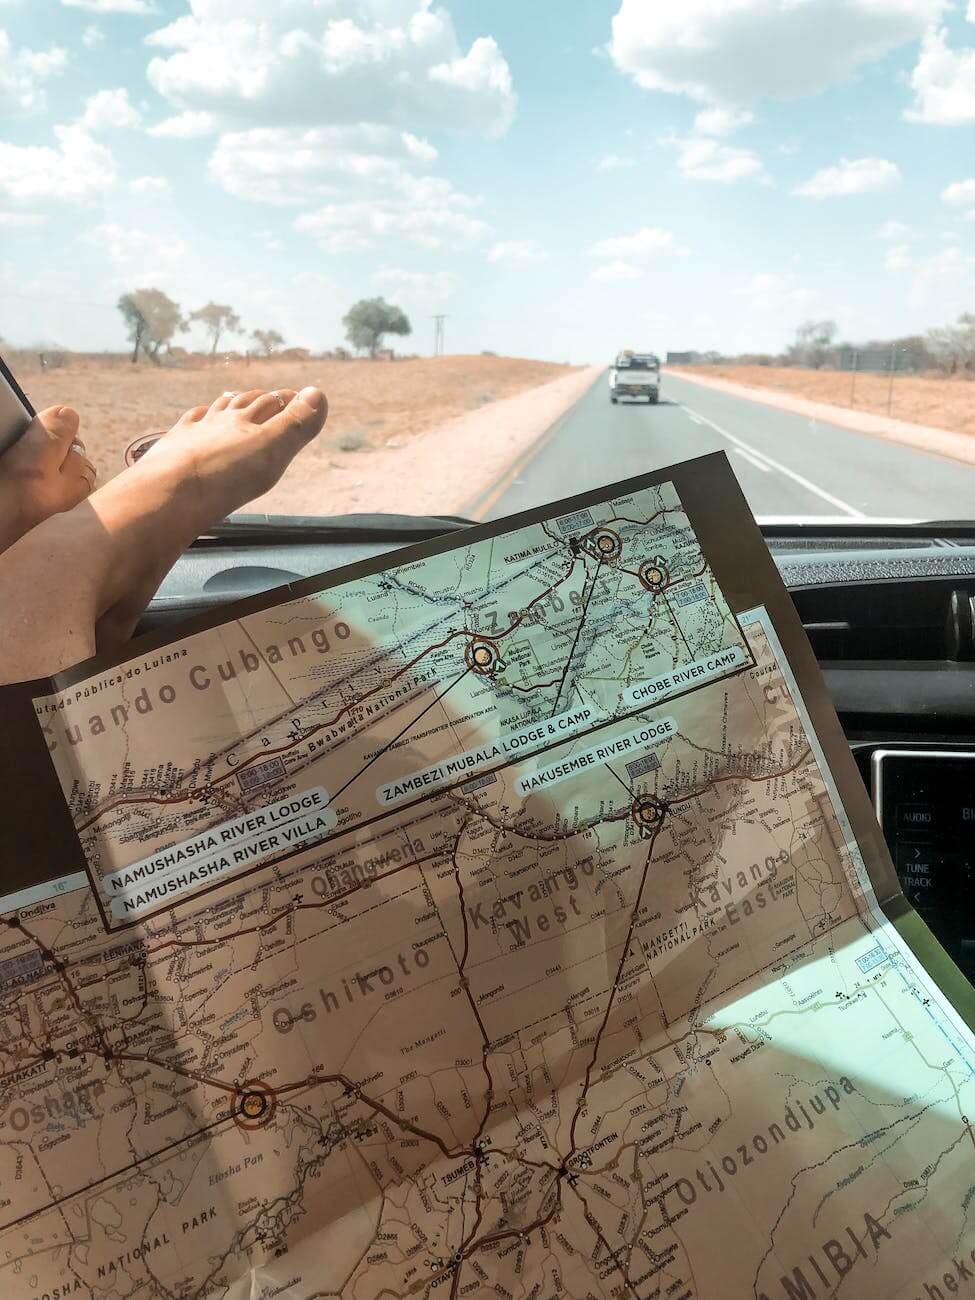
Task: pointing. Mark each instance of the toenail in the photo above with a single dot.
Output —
(313, 397)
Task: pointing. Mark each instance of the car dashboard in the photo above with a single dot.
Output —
(890, 615)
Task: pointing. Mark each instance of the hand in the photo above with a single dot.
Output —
(80, 581)
(44, 473)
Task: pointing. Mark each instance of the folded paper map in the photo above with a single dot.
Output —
(502, 917)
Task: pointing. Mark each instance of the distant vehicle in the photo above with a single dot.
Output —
(635, 374)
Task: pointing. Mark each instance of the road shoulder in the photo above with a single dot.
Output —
(922, 437)
(442, 470)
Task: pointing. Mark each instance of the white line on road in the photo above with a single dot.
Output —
(753, 460)
(843, 506)
(691, 416)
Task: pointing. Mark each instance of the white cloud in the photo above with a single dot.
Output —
(92, 36)
(616, 271)
(949, 269)
(424, 286)
(184, 126)
(518, 250)
(943, 82)
(149, 185)
(481, 71)
(21, 71)
(894, 230)
(780, 291)
(78, 168)
(646, 242)
(396, 62)
(112, 6)
(354, 226)
(721, 121)
(109, 109)
(417, 148)
(21, 220)
(898, 257)
(960, 194)
(852, 176)
(934, 278)
(138, 256)
(739, 51)
(365, 175)
(613, 162)
(701, 159)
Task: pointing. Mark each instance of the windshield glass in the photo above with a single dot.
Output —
(412, 205)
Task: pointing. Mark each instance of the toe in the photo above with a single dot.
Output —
(302, 419)
(245, 399)
(268, 404)
(222, 402)
(194, 415)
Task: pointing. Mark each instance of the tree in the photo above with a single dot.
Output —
(268, 340)
(953, 346)
(216, 318)
(151, 320)
(814, 339)
(370, 319)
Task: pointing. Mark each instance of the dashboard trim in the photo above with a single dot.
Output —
(877, 769)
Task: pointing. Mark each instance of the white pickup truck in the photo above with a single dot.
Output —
(635, 374)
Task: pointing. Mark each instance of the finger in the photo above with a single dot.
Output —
(79, 464)
(244, 399)
(222, 402)
(268, 404)
(54, 429)
(77, 480)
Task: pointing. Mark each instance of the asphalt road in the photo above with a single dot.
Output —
(787, 464)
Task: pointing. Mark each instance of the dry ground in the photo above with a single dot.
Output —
(934, 400)
(371, 403)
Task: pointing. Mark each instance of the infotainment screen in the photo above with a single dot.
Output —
(925, 801)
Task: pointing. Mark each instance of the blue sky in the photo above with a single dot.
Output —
(561, 179)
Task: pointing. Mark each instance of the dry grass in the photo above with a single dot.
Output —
(370, 401)
(938, 401)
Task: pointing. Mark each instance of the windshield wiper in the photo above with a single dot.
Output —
(243, 528)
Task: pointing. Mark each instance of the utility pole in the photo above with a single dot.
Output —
(438, 335)
(890, 385)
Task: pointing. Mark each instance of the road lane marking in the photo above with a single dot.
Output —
(799, 479)
(691, 416)
(753, 461)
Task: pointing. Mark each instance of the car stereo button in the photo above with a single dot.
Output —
(916, 817)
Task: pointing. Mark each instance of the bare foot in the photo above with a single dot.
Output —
(43, 473)
(126, 537)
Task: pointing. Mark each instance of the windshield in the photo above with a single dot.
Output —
(412, 205)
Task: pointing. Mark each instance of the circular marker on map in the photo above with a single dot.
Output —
(653, 574)
(646, 812)
(254, 1104)
(604, 544)
(482, 656)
